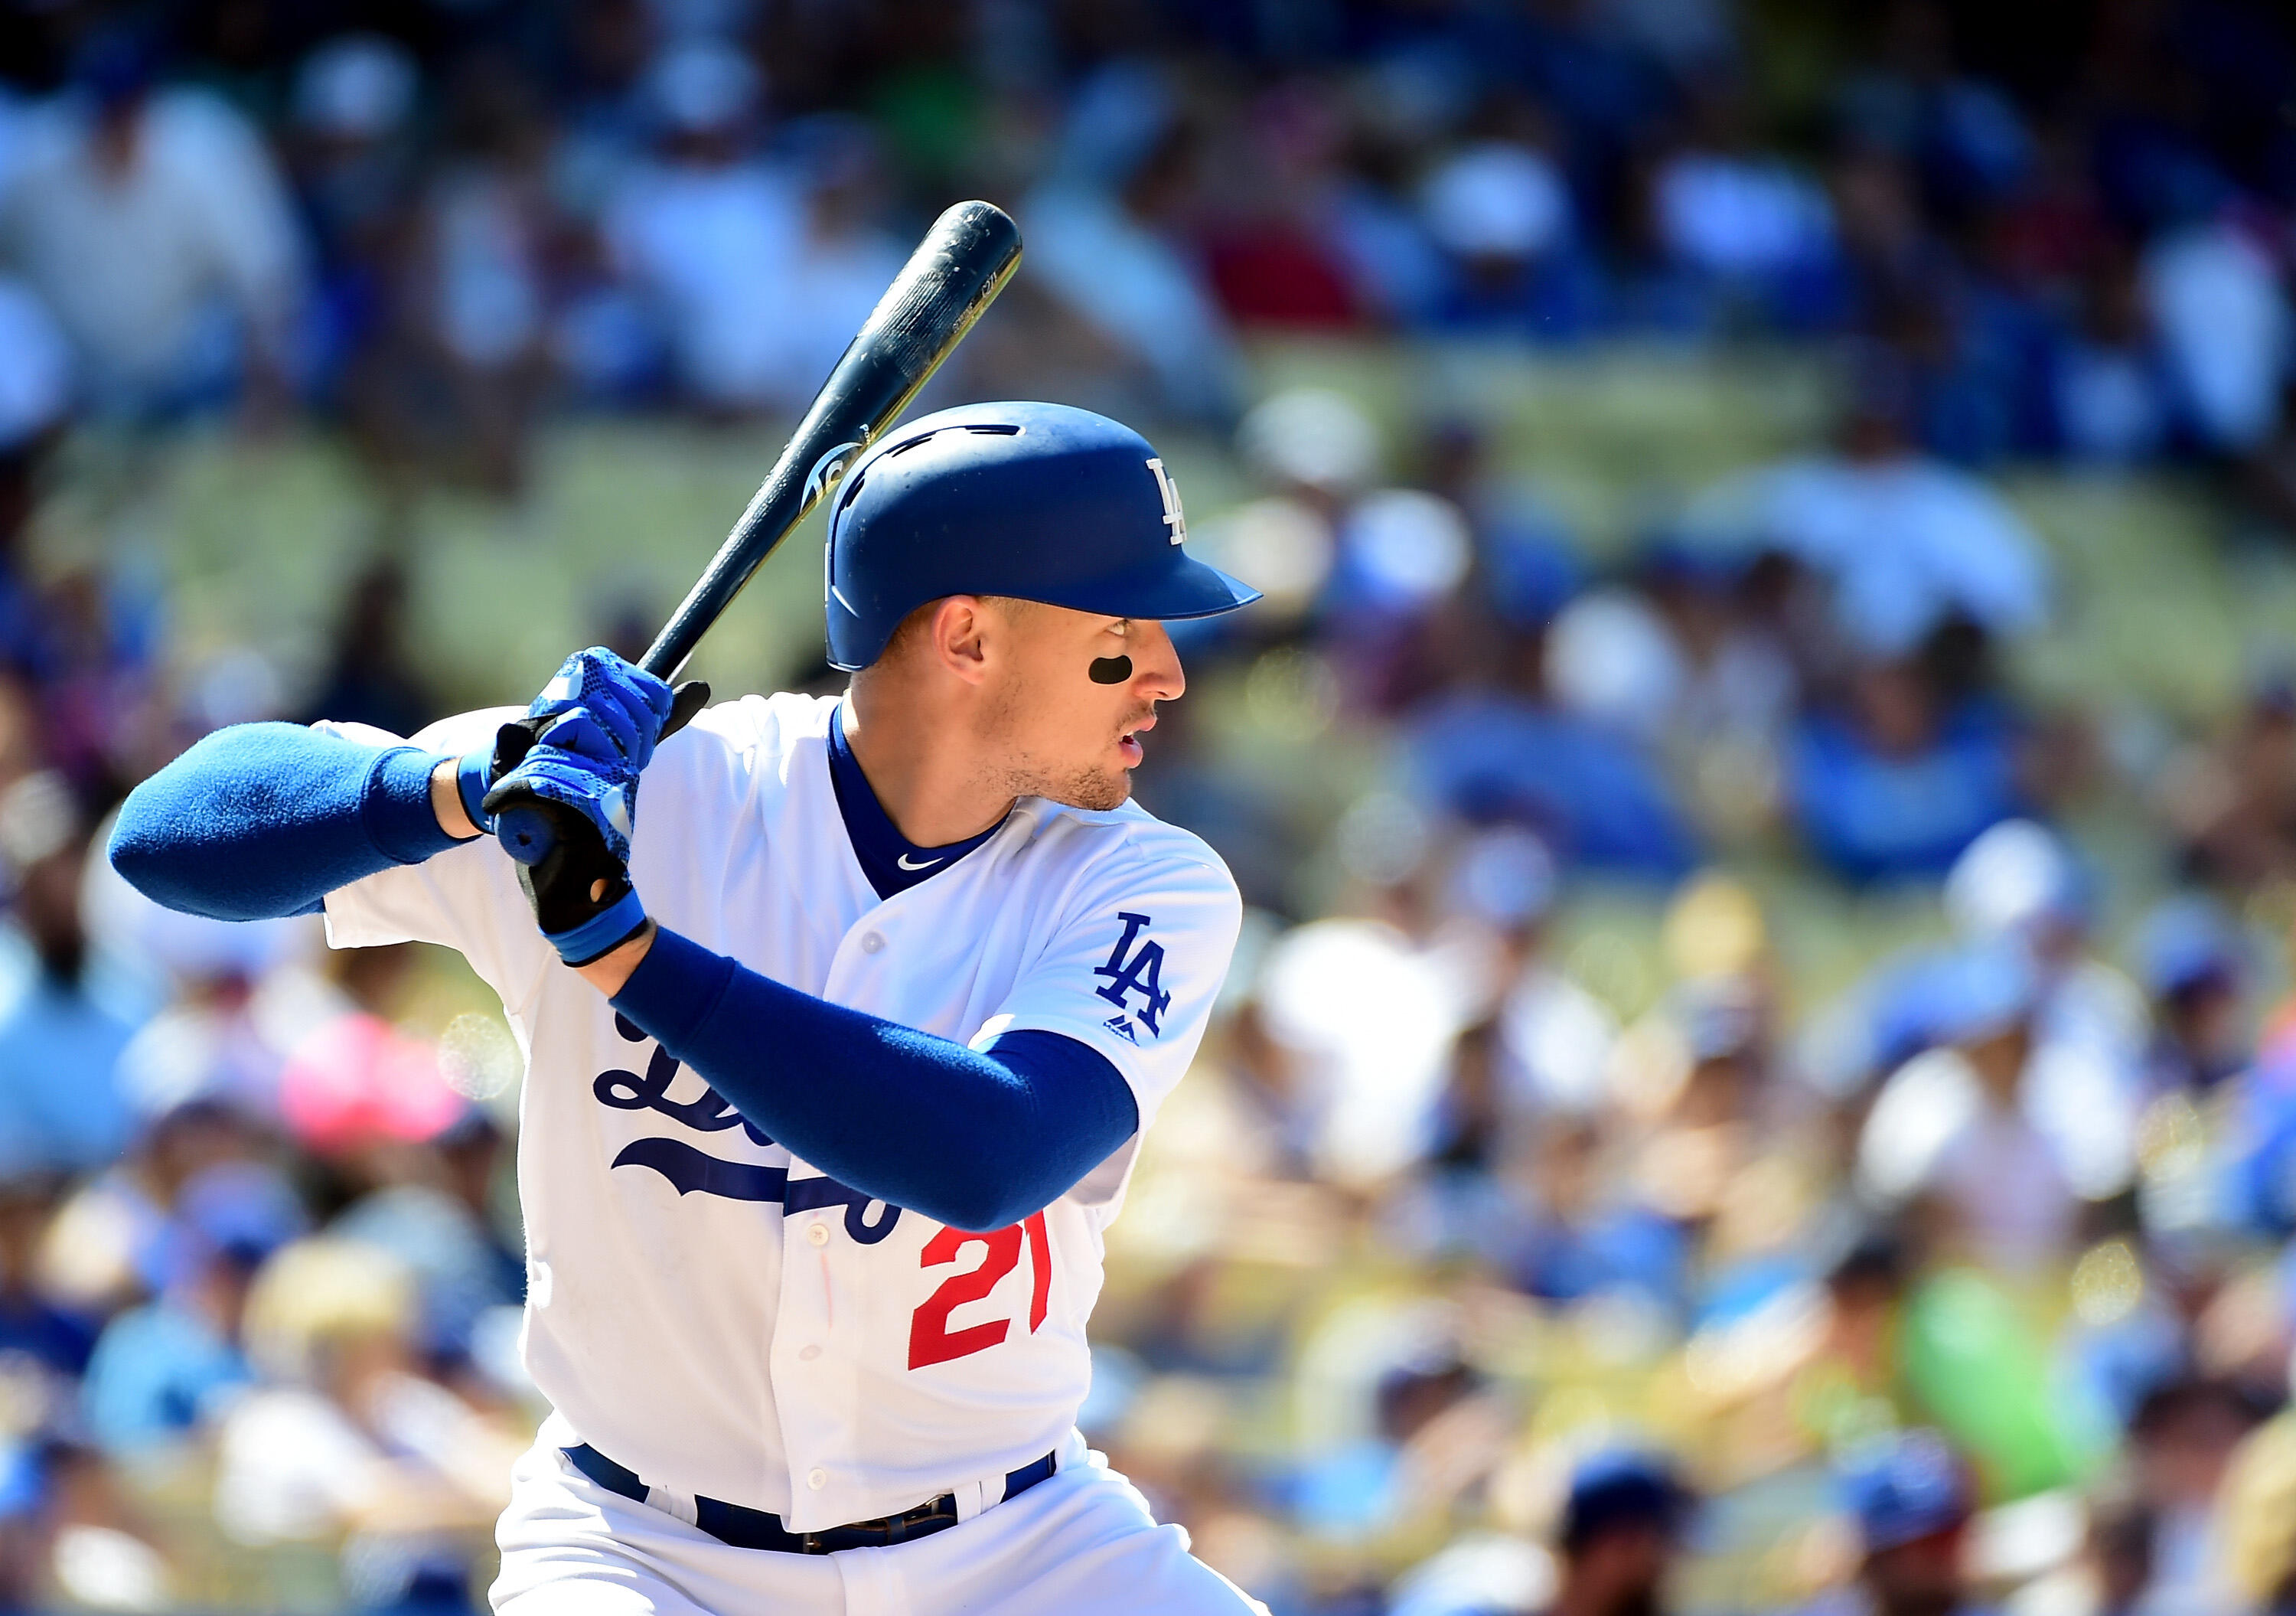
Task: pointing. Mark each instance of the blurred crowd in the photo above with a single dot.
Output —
(2065, 226)
(1479, 1271)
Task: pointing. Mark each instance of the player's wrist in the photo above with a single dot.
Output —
(475, 776)
(450, 801)
(611, 970)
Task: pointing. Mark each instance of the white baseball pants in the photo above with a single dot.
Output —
(1082, 1540)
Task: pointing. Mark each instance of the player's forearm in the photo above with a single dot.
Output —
(261, 820)
(969, 1139)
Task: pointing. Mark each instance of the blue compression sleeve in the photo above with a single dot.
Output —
(973, 1140)
(262, 820)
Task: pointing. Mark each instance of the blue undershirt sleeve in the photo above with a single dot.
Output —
(261, 820)
(974, 1139)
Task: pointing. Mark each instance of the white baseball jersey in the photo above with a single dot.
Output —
(706, 1308)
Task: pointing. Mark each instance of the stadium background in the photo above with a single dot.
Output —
(1766, 781)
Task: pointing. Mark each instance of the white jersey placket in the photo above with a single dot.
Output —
(816, 1373)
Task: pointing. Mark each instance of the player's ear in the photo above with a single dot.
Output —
(958, 637)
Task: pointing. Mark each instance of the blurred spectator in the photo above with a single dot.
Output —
(1437, 1429)
(1554, 1037)
(352, 1083)
(33, 1329)
(487, 234)
(153, 221)
(162, 1370)
(1905, 543)
(2190, 961)
(1610, 658)
(1621, 1532)
(1744, 222)
(1368, 1017)
(353, 158)
(2232, 803)
(433, 1211)
(1502, 215)
(376, 678)
(2225, 324)
(1268, 253)
(2119, 1558)
(1897, 781)
(1622, 1528)
(345, 1432)
(2260, 1518)
(2112, 398)
(709, 232)
(37, 386)
(1102, 233)
(36, 391)
(1316, 451)
(2182, 1444)
(62, 1107)
(844, 259)
(1951, 1125)
(1526, 553)
(1911, 1500)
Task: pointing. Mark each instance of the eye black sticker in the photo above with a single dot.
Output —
(1110, 670)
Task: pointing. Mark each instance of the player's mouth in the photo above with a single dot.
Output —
(1128, 742)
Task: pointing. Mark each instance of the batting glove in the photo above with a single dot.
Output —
(604, 708)
(579, 890)
(596, 705)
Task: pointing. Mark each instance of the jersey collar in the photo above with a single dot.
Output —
(890, 860)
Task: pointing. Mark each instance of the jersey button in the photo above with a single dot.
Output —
(818, 1234)
(809, 1354)
(872, 943)
(816, 1479)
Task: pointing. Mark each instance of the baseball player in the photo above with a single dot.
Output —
(843, 1020)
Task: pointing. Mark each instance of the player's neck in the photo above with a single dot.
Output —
(924, 771)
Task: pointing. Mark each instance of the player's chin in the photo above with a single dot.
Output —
(1096, 790)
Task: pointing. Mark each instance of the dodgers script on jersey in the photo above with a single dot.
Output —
(705, 1308)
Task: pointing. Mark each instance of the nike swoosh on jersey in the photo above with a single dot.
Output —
(903, 862)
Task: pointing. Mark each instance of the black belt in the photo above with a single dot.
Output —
(758, 1528)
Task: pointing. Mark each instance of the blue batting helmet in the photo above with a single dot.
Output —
(1040, 502)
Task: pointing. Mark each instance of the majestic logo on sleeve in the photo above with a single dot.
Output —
(1135, 965)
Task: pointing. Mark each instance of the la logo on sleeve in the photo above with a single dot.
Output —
(1132, 970)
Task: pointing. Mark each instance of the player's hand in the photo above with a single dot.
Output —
(580, 889)
(596, 705)
(603, 708)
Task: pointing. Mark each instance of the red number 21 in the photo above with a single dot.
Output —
(930, 1338)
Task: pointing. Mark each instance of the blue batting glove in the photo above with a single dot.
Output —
(580, 888)
(605, 794)
(603, 707)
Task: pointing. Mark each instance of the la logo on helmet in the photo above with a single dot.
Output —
(1170, 490)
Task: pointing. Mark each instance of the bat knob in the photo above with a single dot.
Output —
(526, 833)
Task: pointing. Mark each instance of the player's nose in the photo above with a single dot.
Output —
(1159, 677)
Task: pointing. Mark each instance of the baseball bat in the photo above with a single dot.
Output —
(956, 271)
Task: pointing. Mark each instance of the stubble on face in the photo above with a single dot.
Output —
(1021, 773)
(1016, 771)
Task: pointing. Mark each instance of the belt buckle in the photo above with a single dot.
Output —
(810, 1543)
